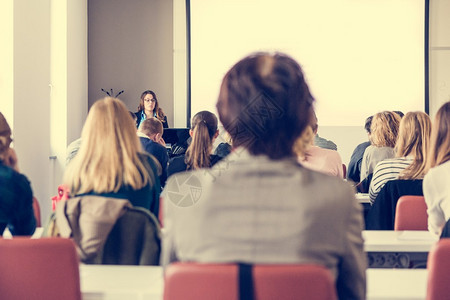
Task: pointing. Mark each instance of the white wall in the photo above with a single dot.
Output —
(131, 49)
(44, 85)
(31, 73)
(439, 54)
(6, 60)
(179, 64)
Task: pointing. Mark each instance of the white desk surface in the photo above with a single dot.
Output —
(396, 284)
(398, 241)
(108, 282)
(146, 282)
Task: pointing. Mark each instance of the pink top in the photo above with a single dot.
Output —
(323, 160)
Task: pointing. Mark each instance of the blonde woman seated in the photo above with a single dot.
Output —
(110, 162)
(198, 155)
(315, 158)
(436, 187)
(410, 151)
(384, 131)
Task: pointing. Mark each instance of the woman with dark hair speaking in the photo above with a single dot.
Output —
(149, 107)
(198, 155)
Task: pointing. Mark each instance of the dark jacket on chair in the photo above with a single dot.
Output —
(382, 214)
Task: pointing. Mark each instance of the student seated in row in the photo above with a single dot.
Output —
(411, 151)
(198, 155)
(436, 187)
(150, 134)
(259, 205)
(110, 162)
(16, 196)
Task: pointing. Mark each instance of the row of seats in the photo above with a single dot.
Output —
(52, 272)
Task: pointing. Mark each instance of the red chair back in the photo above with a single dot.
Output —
(39, 269)
(438, 266)
(411, 213)
(344, 168)
(191, 281)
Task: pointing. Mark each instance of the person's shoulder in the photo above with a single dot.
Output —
(362, 146)
(11, 178)
(439, 172)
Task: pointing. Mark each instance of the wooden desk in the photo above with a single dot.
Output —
(397, 249)
(146, 282)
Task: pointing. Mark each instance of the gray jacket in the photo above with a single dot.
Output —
(255, 210)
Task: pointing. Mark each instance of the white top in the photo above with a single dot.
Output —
(372, 156)
(388, 169)
(436, 189)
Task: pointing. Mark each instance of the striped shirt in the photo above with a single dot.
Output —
(388, 169)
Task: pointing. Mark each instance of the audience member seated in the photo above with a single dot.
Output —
(149, 107)
(198, 155)
(108, 163)
(384, 131)
(410, 151)
(318, 141)
(315, 158)
(259, 205)
(16, 196)
(354, 166)
(150, 134)
(436, 185)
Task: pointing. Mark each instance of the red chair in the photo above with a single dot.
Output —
(344, 168)
(438, 266)
(39, 269)
(191, 281)
(411, 213)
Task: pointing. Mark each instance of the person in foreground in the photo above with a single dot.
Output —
(258, 205)
(16, 196)
(436, 187)
(110, 162)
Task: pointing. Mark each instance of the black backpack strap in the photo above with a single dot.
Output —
(246, 291)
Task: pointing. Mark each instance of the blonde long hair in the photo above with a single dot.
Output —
(204, 127)
(440, 137)
(384, 129)
(413, 139)
(108, 157)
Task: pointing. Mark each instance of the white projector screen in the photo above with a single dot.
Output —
(359, 56)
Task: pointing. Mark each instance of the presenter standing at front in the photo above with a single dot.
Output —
(149, 107)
